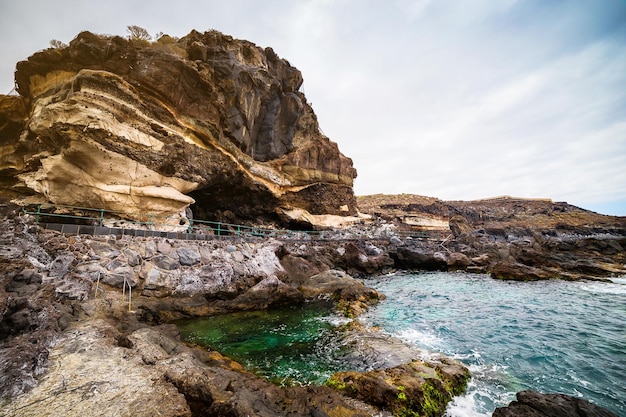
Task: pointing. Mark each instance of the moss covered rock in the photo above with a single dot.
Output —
(417, 388)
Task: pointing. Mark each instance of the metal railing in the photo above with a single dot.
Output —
(100, 221)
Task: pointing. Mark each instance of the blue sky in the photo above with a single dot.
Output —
(460, 99)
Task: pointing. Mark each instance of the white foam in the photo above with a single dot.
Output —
(335, 321)
(606, 288)
(465, 406)
(421, 339)
(472, 403)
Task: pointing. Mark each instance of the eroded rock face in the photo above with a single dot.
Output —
(150, 128)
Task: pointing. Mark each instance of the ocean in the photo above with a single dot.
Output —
(550, 336)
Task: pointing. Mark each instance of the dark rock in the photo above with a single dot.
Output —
(165, 262)
(123, 275)
(535, 404)
(188, 256)
(60, 265)
(269, 292)
(418, 258)
(132, 257)
(417, 388)
(519, 272)
(459, 226)
(298, 269)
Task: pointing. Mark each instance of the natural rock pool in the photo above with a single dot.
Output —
(550, 336)
(291, 345)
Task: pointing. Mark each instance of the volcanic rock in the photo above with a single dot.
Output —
(509, 238)
(152, 128)
(535, 404)
(417, 388)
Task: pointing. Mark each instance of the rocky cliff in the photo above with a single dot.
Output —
(509, 238)
(205, 121)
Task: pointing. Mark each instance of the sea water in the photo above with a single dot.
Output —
(296, 345)
(549, 336)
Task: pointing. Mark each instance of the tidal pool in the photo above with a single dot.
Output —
(297, 345)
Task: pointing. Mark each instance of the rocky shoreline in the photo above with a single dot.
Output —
(215, 128)
(75, 339)
(73, 342)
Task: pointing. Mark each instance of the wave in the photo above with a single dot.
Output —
(422, 339)
(617, 286)
(477, 400)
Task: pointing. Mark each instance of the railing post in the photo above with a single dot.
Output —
(218, 228)
(150, 223)
(238, 230)
(38, 213)
(190, 229)
(101, 217)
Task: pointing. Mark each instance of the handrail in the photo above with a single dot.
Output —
(195, 225)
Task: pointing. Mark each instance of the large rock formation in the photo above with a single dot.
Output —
(535, 404)
(141, 127)
(509, 238)
(73, 344)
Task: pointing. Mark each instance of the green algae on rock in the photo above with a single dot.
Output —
(419, 388)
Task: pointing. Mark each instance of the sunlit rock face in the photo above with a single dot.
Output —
(206, 120)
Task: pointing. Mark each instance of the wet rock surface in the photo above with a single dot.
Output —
(535, 404)
(508, 238)
(66, 300)
(415, 388)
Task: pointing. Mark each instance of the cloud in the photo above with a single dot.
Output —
(447, 98)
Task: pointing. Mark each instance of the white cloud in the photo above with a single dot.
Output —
(452, 99)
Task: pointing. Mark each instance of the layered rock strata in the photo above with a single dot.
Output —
(509, 238)
(140, 127)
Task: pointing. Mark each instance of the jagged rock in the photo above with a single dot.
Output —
(188, 256)
(326, 282)
(133, 257)
(416, 257)
(519, 272)
(535, 404)
(118, 277)
(146, 128)
(417, 388)
(298, 269)
(158, 282)
(459, 226)
(104, 250)
(165, 262)
(269, 292)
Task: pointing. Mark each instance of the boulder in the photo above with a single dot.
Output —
(417, 388)
(297, 269)
(416, 257)
(269, 292)
(352, 297)
(535, 404)
(188, 256)
(519, 272)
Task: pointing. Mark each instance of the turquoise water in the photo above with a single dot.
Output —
(298, 345)
(550, 336)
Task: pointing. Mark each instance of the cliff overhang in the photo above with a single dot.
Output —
(206, 121)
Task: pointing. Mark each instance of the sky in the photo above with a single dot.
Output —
(454, 99)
